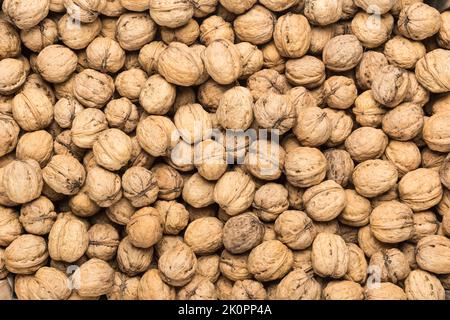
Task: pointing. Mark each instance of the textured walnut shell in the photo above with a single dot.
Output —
(10, 46)
(329, 255)
(421, 285)
(3, 271)
(124, 288)
(357, 210)
(342, 53)
(372, 30)
(46, 284)
(222, 61)
(272, 59)
(366, 143)
(92, 88)
(242, 233)
(139, 186)
(234, 267)
(375, 6)
(214, 28)
(129, 83)
(302, 260)
(403, 52)
(341, 126)
(149, 56)
(265, 159)
(84, 10)
(248, 290)
(339, 166)
(255, 26)
(404, 155)
(340, 92)
(94, 278)
(404, 122)
(357, 264)
(186, 34)
(374, 177)
(368, 111)
(274, 111)
(204, 235)
(198, 192)
(306, 71)
(120, 212)
(444, 172)
(305, 167)
(26, 254)
(134, 30)
(169, 181)
(178, 266)
(325, 201)
(152, 287)
(77, 36)
(312, 128)
(13, 75)
(390, 86)
(145, 227)
(436, 133)
(270, 200)
(38, 216)
(171, 13)
(103, 241)
(193, 122)
(384, 291)
(32, 109)
(156, 135)
(431, 73)
(295, 229)
(65, 110)
(289, 43)
(133, 260)
(420, 189)
(25, 15)
(251, 59)
(323, 12)
(234, 192)
(174, 215)
(418, 14)
(103, 187)
(122, 114)
(210, 93)
(237, 7)
(371, 62)
(368, 243)
(10, 226)
(267, 81)
(208, 267)
(22, 180)
(270, 260)
(64, 174)
(9, 133)
(56, 63)
(343, 290)
(432, 254)
(432, 159)
(105, 55)
(209, 159)
(112, 149)
(443, 38)
(297, 285)
(389, 266)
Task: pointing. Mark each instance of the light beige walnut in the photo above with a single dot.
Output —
(11, 45)
(186, 34)
(371, 62)
(242, 233)
(174, 215)
(38, 216)
(444, 32)
(389, 266)
(65, 110)
(32, 109)
(419, 14)
(64, 174)
(149, 55)
(325, 201)
(312, 128)
(436, 133)
(404, 155)
(93, 89)
(432, 159)
(133, 260)
(22, 181)
(372, 30)
(275, 112)
(26, 254)
(203, 8)
(157, 129)
(25, 15)
(94, 278)
(10, 226)
(103, 186)
(84, 10)
(390, 86)
(343, 290)
(171, 13)
(366, 143)
(145, 227)
(367, 110)
(342, 53)
(208, 267)
(295, 229)
(87, 126)
(251, 59)
(420, 189)
(432, 254)
(272, 58)
(124, 288)
(9, 134)
(215, 28)
(306, 71)
(134, 30)
(425, 224)
(289, 43)
(105, 55)
(112, 149)
(103, 241)
(198, 192)
(329, 255)
(384, 291)
(431, 73)
(444, 172)
(222, 61)
(199, 288)
(177, 267)
(46, 284)
(270, 260)
(234, 266)
(422, 285)
(323, 12)
(193, 122)
(392, 222)
(368, 243)
(404, 122)
(169, 181)
(129, 83)
(204, 235)
(210, 93)
(267, 81)
(210, 159)
(152, 287)
(403, 53)
(56, 63)
(255, 26)
(77, 36)
(297, 285)
(13, 75)
(374, 177)
(265, 159)
(341, 124)
(357, 264)
(270, 201)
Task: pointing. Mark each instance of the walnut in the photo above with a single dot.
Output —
(341, 126)
(305, 167)
(248, 290)
(65, 111)
(171, 13)
(323, 12)
(320, 35)
(103, 241)
(151, 287)
(270, 260)
(339, 166)
(186, 34)
(22, 181)
(270, 201)
(418, 13)
(234, 192)
(366, 143)
(251, 59)
(92, 88)
(38, 216)
(242, 233)
(420, 189)
(404, 122)
(10, 45)
(64, 174)
(295, 229)
(124, 288)
(3, 271)
(78, 35)
(134, 30)
(208, 267)
(105, 55)
(272, 58)
(432, 254)
(198, 192)
(94, 278)
(26, 15)
(84, 11)
(357, 264)
(103, 186)
(289, 43)
(404, 155)
(306, 71)
(26, 254)
(444, 32)
(370, 64)
(335, 263)
(229, 57)
(209, 159)
(435, 132)
(342, 53)
(384, 291)
(375, 6)
(145, 227)
(372, 30)
(265, 159)
(389, 266)
(133, 260)
(255, 26)
(199, 288)
(149, 56)
(10, 226)
(275, 112)
(313, 127)
(46, 284)
(32, 109)
(374, 177)
(177, 267)
(422, 285)
(56, 63)
(9, 134)
(210, 93)
(169, 181)
(193, 123)
(267, 81)
(404, 53)
(234, 267)
(297, 285)
(13, 75)
(203, 8)
(204, 235)
(325, 201)
(343, 290)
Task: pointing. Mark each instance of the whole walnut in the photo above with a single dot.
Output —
(275, 112)
(78, 35)
(171, 13)
(297, 285)
(24, 14)
(425, 224)
(134, 30)
(103, 241)
(222, 61)
(422, 285)
(149, 56)
(120, 212)
(177, 266)
(432, 159)
(122, 114)
(103, 186)
(320, 35)
(26, 254)
(84, 11)
(295, 229)
(129, 83)
(357, 264)
(145, 227)
(180, 64)
(404, 155)
(22, 180)
(198, 192)
(436, 132)
(209, 159)
(404, 122)
(234, 267)
(13, 75)
(65, 111)
(10, 226)
(105, 55)
(135, 5)
(368, 111)
(325, 201)
(158, 129)
(234, 192)
(342, 53)
(242, 233)
(270, 260)
(56, 63)
(204, 235)
(384, 291)
(112, 149)
(251, 59)
(199, 288)
(255, 26)
(374, 177)
(270, 201)
(248, 290)
(186, 34)
(390, 86)
(208, 267)
(375, 6)
(392, 222)
(133, 260)
(272, 58)
(193, 123)
(64, 174)
(32, 109)
(152, 287)
(214, 28)
(291, 44)
(313, 127)
(432, 254)
(210, 93)
(371, 62)
(366, 143)
(339, 166)
(265, 159)
(169, 181)
(404, 53)
(389, 265)
(334, 263)
(139, 186)
(63, 145)
(38, 216)
(10, 46)
(323, 12)
(443, 38)
(46, 284)
(420, 189)
(418, 13)
(444, 172)
(372, 30)
(307, 71)
(124, 288)
(343, 290)
(174, 214)
(237, 7)
(305, 167)
(92, 88)
(93, 278)
(9, 134)
(267, 81)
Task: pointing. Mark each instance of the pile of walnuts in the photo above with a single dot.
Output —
(126, 170)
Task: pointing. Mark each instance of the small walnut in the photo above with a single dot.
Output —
(193, 123)
(215, 28)
(325, 201)
(46, 284)
(234, 267)
(436, 133)
(103, 186)
(305, 167)
(306, 71)
(418, 14)
(26, 254)
(339, 166)
(94, 278)
(174, 215)
(84, 11)
(270, 200)
(343, 290)
(124, 288)
(342, 53)
(26, 15)
(10, 226)
(198, 192)
(10, 45)
(156, 135)
(3, 271)
(13, 75)
(145, 227)
(404, 122)
(169, 181)
(420, 189)
(404, 53)
(222, 61)
(289, 43)
(272, 59)
(152, 287)
(133, 260)
(208, 267)
(242, 233)
(234, 192)
(334, 264)
(120, 212)
(374, 177)
(433, 254)
(384, 291)
(78, 35)
(265, 159)
(421, 285)
(295, 229)
(56, 63)
(313, 127)
(171, 13)
(38, 216)
(371, 62)
(204, 235)
(210, 93)
(105, 55)
(372, 30)
(248, 290)
(404, 155)
(103, 241)
(323, 12)
(389, 266)
(92, 88)
(275, 112)
(129, 84)
(297, 285)
(209, 159)
(177, 266)
(134, 30)
(22, 180)
(366, 143)
(251, 59)
(186, 34)
(32, 109)
(255, 26)
(390, 86)
(267, 81)
(357, 264)
(149, 56)
(270, 260)
(65, 111)
(64, 174)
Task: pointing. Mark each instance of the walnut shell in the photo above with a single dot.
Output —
(357, 264)
(13, 75)
(432, 254)
(384, 291)
(171, 13)
(306, 71)
(25, 15)
(435, 132)
(9, 134)
(209, 159)
(234, 267)
(133, 260)
(431, 73)
(204, 235)
(152, 287)
(64, 174)
(94, 278)
(78, 35)
(357, 210)
(267, 81)
(145, 227)
(112, 149)
(389, 266)
(242, 233)
(103, 186)
(22, 180)
(32, 109)
(323, 12)
(371, 62)
(325, 201)
(272, 59)
(270, 201)
(10, 46)
(103, 241)
(210, 93)
(226, 69)
(186, 34)
(199, 288)
(270, 260)
(124, 288)
(214, 28)
(421, 285)
(305, 167)
(169, 181)
(234, 192)
(38, 216)
(443, 38)
(334, 263)
(198, 192)
(129, 84)
(3, 271)
(255, 26)
(265, 159)
(372, 30)
(275, 112)
(10, 226)
(342, 53)
(65, 111)
(403, 52)
(297, 285)
(105, 55)
(418, 14)
(46, 284)
(92, 88)
(56, 63)
(313, 127)
(177, 267)
(295, 229)
(404, 122)
(134, 30)
(343, 290)
(291, 44)
(366, 143)
(404, 155)
(149, 56)
(339, 166)
(374, 177)
(26, 254)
